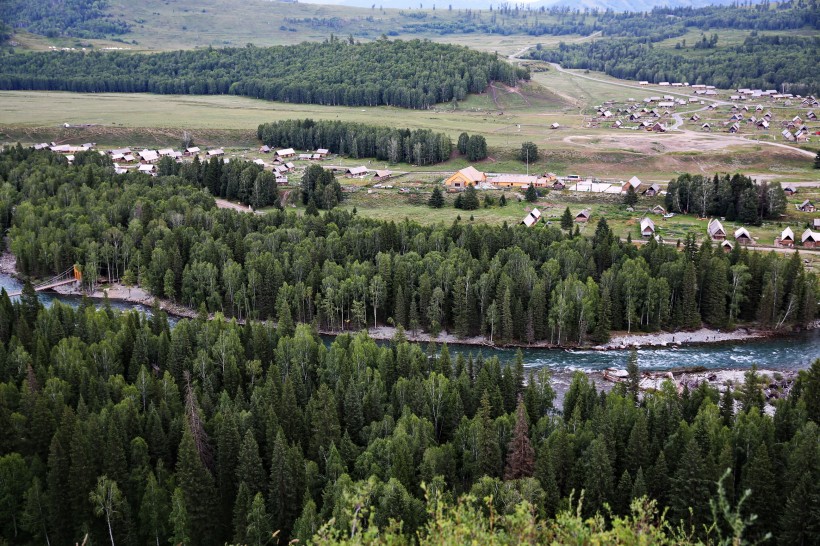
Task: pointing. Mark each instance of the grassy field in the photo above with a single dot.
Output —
(391, 205)
(229, 121)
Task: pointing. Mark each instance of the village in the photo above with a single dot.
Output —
(287, 161)
(749, 111)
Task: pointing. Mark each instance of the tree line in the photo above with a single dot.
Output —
(357, 140)
(735, 197)
(118, 428)
(407, 74)
(767, 62)
(506, 283)
(657, 24)
(75, 18)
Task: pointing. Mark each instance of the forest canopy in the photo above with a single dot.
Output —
(419, 146)
(339, 271)
(408, 74)
(75, 18)
(785, 63)
(126, 429)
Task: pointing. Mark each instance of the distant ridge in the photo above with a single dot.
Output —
(615, 5)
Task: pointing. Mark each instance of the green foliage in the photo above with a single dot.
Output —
(320, 187)
(476, 148)
(463, 140)
(529, 152)
(566, 220)
(761, 61)
(531, 195)
(411, 74)
(419, 146)
(467, 200)
(165, 235)
(631, 197)
(436, 200)
(76, 18)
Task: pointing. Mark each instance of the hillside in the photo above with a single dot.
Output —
(160, 25)
(411, 74)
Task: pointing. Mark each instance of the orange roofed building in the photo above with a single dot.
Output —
(469, 176)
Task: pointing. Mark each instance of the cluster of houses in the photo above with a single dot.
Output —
(646, 117)
(809, 238)
(787, 238)
(290, 153)
(147, 160)
(68, 150)
(470, 176)
(716, 232)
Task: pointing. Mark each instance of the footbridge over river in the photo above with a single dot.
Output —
(69, 276)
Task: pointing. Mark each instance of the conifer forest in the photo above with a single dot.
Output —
(250, 428)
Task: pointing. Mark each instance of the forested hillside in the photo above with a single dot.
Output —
(767, 62)
(127, 430)
(654, 24)
(412, 74)
(76, 18)
(124, 430)
(509, 284)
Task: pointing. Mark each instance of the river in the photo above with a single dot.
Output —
(781, 353)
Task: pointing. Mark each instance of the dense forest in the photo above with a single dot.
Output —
(339, 271)
(737, 198)
(660, 23)
(125, 430)
(785, 63)
(75, 18)
(419, 146)
(409, 74)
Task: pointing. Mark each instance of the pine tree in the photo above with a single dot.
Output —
(689, 489)
(520, 455)
(178, 520)
(228, 442)
(727, 407)
(436, 200)
(249, 469)
(750, 394)
(531, 194)
(659, 481)
(259, 530)
(240, 511)
(470, 198)
(463, 140)
(308, 523)
(597, 477)
(759, 477)
(631, 196)
(810, 383)
(691, 317)
(603, 317)
(506, 316)
(489, 455)
(566, 220)
(545, 473)
(623, 494)
(153, 512)
(817, 161)
(633, 375)
(639, 486)
(198, 490)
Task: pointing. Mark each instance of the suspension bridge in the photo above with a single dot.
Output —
(70, 275)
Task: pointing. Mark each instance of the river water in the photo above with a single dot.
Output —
(782, 353)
